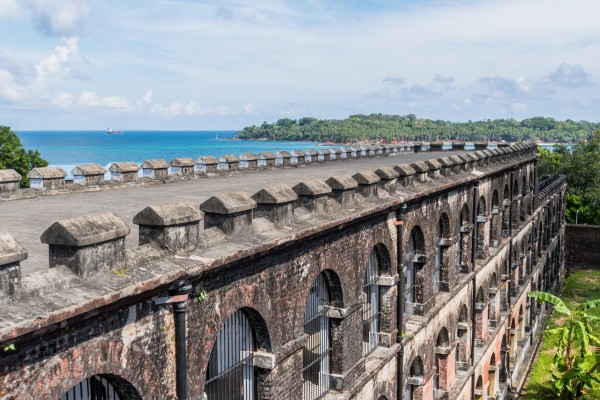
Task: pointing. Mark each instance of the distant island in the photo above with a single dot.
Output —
(388, 128)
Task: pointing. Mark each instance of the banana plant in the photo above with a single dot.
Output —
(575, 365)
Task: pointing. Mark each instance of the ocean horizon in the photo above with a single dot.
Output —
(66, 149)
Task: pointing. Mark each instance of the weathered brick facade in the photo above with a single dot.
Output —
(464, 335)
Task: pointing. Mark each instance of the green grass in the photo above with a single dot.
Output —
(579, 287)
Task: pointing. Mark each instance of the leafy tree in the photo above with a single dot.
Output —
(13, 155)
(574, 364)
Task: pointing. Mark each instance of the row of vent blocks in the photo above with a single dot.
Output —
(79, 242)
(52, 178)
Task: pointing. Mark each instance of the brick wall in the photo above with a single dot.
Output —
(582, 246)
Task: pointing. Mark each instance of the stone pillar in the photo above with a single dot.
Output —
(87, 245)
(10, 181)
(124, 171)
(446, 164)
(368, 184)
(421, 170)
(406, 174)
(324, 155)
(336, 153)
(434, 169)
(229, 162)
(388, 179)
(312, 156)
(47, 178)
(11, 255)
(88, 175)
(155, 169)
(343, 188)
(183, 166)
(248, 161)
(313, 195)
(231, 212)
(266, 159)
(172, 226)
(276, 204)
(458, 146)
(283, 158)
(207, 164)
(435, 146)
(298, 157)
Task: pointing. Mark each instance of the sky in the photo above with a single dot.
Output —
(195, 65)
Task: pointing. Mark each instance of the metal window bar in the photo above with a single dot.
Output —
(317, 351)
(371, 305)
(230, 371)
(92, 388)
(410, 276)
(437, 272)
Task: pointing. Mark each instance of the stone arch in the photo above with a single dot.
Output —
(506, 202)
(492, 301)
(384, 259)
(334, 285)
(479, 388)
(103, 386)
(481, 305)
(517, 203)
(414, 388)
(59, 375)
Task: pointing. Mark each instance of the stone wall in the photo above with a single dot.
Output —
(582, 246)
(100, 310)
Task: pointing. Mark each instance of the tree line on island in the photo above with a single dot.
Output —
(387, 128)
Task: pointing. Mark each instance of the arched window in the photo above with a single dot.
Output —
(524, 200)
(410, 274)
(95, 387)
(480, 317)
(442, 349)
(479, 388)
(506, 201)
(481, 232)
(462, 342)
(317, 351)
(415, 379)
(464, 240)
(516, 205)
(495, 215)
(230, 371)
(492, 307)
(492, 376)
(371, 304)
(415, 258)
(442, 241)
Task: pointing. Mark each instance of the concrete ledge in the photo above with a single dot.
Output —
(228, 203)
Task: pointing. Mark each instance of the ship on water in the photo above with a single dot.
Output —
(111, 131)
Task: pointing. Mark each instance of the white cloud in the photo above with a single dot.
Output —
(9, 9)
(60, 17)
(91, 99)
(9, 89)
(57, 64)
(570, 76)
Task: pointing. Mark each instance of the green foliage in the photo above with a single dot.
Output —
(9, 347)
(577, 355)
(121, 271)
(581, 165)
(409, 127)
(13, 155)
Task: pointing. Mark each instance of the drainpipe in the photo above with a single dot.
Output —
(400, 298)
(474, 238)
(510, 255)
(178, 295)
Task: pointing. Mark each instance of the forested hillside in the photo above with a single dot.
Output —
(409, 127)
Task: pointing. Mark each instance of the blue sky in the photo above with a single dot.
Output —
(186, 64)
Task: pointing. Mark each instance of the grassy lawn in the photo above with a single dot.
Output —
(579, 287)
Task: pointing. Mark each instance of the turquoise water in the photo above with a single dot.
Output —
(67, 149)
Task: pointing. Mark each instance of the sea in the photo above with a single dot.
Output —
(66, 149)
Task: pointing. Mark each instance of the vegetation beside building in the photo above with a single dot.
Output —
(580, 287)
(409, 127)
(14, 156)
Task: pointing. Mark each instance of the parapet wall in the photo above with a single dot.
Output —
(51, 180)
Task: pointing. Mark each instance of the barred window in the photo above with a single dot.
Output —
(92, 388)
(230, 371)
(317, 351)
(410, 275)
(437, 272)
(371, 304)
